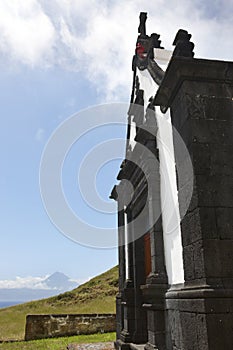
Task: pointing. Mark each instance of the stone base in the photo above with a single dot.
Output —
(154, 304)
(120, 345)
(125, 337)
(149, 346)
(137, 346)
(200, 319)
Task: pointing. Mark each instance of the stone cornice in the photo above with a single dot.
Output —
(201, 70)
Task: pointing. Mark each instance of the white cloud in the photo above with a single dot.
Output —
(34, 282)
(24, 282)
(104, 50)
(27, 34)
(98, 37)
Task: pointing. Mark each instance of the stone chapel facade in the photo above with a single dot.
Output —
(176, 218)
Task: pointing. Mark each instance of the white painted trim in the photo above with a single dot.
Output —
(173, 249)
(162, 56)
(132, 135)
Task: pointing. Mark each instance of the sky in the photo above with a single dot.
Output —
(57, 59)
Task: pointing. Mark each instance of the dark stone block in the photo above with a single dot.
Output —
(189, 269)
(218, 258)
(189, 331)
(199, 224)
(212, 131)
(194, 105)
(201, 106)
(174, 328)
(215, 282)
(202, 334)
(191, 228)
(185, 304)
(129, 313)
(193, 256)
(208, 223)
(186, 133)
(119, 312)
(184, 168)
(199, 262)
(207, 89)
(201, 157)
(155, 321)
(223, 337)
(218, 108)
(212, 258)
(221, 160)
(220, 305)
(226, 258)
(193, 322)
(227, 283)
(223, 195)
(188, 199)
(215, 191)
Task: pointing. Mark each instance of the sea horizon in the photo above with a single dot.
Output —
(4, 304)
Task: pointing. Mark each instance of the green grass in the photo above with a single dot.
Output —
(95, 296)
(58, 343)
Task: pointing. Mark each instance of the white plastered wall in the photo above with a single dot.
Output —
(169, 198)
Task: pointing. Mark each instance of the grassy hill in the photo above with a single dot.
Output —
(95, 296)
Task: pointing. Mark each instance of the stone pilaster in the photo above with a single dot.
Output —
(121, 259)
(158, 270)
(140, 330)
(199, 93)
(156, 283)
(125, 300)
(128, 301)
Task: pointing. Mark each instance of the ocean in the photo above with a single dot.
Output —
(9, 303)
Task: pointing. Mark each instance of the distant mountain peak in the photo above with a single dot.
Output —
(60, 281)
(58, 274)
(56, 283)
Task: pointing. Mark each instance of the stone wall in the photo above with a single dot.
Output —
(200, 313)
(49, 326)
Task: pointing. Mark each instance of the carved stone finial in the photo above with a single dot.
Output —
(142, 24)
(184, 47)
(145, 45)
(155, 42)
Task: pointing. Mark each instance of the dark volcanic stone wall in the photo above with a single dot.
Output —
(200, 94)
(49, 326)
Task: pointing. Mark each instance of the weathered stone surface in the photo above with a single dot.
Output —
(94, 346)
(48, 326)
(199, 313)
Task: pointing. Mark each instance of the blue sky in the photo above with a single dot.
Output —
(33, 103)
(57, 58)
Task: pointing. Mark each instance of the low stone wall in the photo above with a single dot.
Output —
(49, 326)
